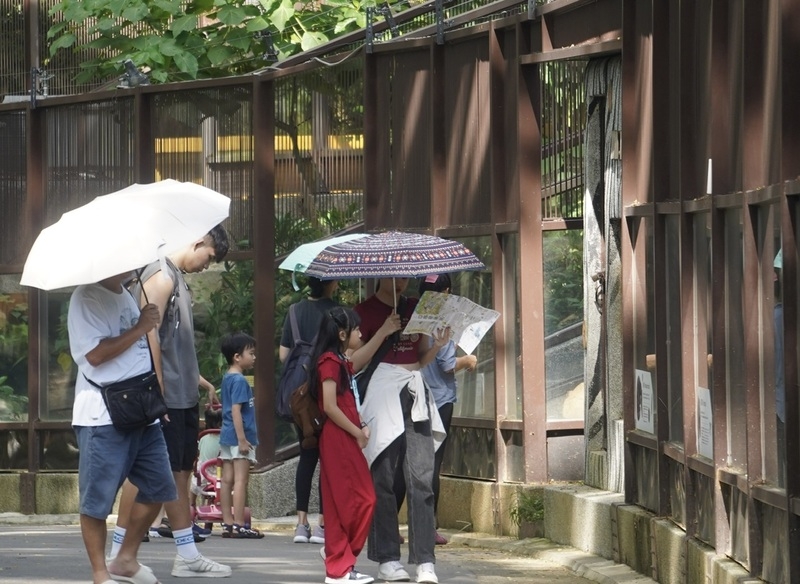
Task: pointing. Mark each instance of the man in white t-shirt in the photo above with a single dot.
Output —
(107, 335)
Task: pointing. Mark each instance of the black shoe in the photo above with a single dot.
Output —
(146, 538)
(165, 529)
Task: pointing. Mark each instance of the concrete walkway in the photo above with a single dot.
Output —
(37, 550)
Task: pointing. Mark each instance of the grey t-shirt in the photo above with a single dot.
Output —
(179, 366)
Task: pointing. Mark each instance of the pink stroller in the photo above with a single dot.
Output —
(207, 486)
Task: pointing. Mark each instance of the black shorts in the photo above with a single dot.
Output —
(180, 434)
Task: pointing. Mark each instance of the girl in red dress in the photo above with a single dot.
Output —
(345, 478)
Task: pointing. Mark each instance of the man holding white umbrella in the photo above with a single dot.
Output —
(108, 343)
(96, 247)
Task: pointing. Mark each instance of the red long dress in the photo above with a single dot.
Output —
(344, 477)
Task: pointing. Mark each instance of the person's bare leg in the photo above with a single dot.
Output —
(127, 498)
(156, 523)
(94, 535)
(178, 510)
(302, 518)
(139, 519)
(241, 472)
(226, 495)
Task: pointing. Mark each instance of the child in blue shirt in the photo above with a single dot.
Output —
(238, 436)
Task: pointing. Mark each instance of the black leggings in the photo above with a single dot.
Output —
(305, 475)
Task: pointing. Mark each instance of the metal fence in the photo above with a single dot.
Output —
(563, 125)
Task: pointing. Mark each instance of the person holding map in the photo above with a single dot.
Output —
(406, 430)
(440, 377)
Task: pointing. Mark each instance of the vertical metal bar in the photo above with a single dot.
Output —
(263, 191)
(662, 186)
(441, 193)
(35, 141)
(755, 140)
(375, 155)
(497, 195)
(144, 164)
(529, 152)
(634, 59)
(790, 154)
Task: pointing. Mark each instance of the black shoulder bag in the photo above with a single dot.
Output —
(134, 402)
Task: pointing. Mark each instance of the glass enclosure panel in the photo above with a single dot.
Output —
(563, 313)
(775, 543)
(734, 343)
(704, 506)
(643, 291)
(470, 453)
(770, 352)
(509, 312)
(13, 350)
(515, 456)
(476, 395)
(14, 450)
(57, 371)
(677, 492)
(646, 464)
(674, 356)
(703, 358)
(59, 450)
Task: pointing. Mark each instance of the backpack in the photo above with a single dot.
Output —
(295, 370)
(307, 415)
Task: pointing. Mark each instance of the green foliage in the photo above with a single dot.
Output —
(229, 308)
(13, 358)
(231, 305)
(529, 507)
(13, 406)
(563, 279)
(197, 39)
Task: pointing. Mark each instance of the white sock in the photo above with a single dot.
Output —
(116, 541)
(184, 540)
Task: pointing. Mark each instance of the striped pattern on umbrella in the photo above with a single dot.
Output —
(393, 254)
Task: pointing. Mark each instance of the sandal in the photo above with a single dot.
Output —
(227, 530)
(246, 533)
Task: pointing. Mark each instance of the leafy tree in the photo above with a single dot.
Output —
(198, 39)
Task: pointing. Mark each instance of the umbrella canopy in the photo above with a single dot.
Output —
(122, 231)
(393, 254)
(300, 258)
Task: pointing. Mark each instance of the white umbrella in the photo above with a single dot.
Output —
(122, 231)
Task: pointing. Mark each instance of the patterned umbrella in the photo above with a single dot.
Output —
(393, 254)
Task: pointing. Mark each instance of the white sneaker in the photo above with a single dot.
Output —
(426, 573)
(393, 572)
(199, 567)
(354, 576)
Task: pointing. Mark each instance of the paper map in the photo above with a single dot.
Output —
(468, 321)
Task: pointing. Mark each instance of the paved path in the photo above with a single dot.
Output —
(39, 554)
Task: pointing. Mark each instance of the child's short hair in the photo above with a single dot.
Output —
(213, 418)
(235, 344)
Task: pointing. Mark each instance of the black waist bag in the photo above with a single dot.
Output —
(135, 402)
